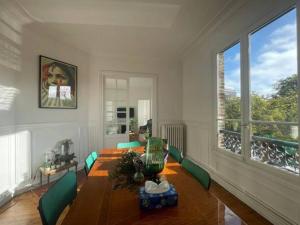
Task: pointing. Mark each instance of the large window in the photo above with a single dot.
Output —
(270, 113)
(273, 91)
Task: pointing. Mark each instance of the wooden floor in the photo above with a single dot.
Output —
(22, 210)
(238, 207)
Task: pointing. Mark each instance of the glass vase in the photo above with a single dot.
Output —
(154, 156)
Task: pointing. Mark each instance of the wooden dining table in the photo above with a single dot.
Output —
(97, 203)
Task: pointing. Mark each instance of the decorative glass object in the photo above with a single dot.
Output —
(63, 152)
(48, 158)
(154, 156)
(138, 177)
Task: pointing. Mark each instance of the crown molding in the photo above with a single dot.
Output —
(228, 10)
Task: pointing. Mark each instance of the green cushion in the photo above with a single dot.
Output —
(200, 174)
(89, 161)
(176, 154)
(94, 155)
(54, 201)
(131, 144)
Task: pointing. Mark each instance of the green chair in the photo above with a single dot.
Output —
(131, 144)
(94, 155)
(89, 161)
(176, 154)
(54, 201)
(200, 174)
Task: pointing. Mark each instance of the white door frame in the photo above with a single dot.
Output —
(127, 75)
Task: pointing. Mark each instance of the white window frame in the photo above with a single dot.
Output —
(245, 93)
(238, 156)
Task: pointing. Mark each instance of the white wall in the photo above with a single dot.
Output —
(40, 128)
(33, 46)
(8, 93)
(47, 126)
(169, 88)
(272, 194)
(27, 131)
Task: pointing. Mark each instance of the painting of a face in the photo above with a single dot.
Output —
(56, 76)
(58, 84)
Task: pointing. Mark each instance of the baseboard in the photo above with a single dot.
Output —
(5, 198)
(259, 206)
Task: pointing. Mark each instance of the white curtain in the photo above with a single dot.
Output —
(144, 111)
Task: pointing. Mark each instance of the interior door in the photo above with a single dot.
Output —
(116, 116)
(128, 107)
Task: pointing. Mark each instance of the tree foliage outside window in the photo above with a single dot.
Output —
(281, 106)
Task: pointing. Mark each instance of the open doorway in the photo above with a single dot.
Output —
(141, 89)
(128, 106)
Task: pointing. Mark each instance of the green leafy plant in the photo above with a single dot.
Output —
(123, 173)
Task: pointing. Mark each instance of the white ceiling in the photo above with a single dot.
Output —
(138, 28)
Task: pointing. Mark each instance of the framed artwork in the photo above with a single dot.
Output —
(57, 84)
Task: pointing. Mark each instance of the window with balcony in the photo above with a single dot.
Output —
(268, 117)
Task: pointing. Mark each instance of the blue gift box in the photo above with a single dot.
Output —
(155, 201)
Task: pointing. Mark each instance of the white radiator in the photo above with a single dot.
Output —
(174, 133)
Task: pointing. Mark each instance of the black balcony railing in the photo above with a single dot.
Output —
(283, 154)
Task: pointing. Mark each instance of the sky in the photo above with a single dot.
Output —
(273, 56)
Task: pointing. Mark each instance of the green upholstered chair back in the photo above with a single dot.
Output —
(89, 161)
(131, 144)
(200, 174)
(94, 155)
(176, 154)
(54, 201)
